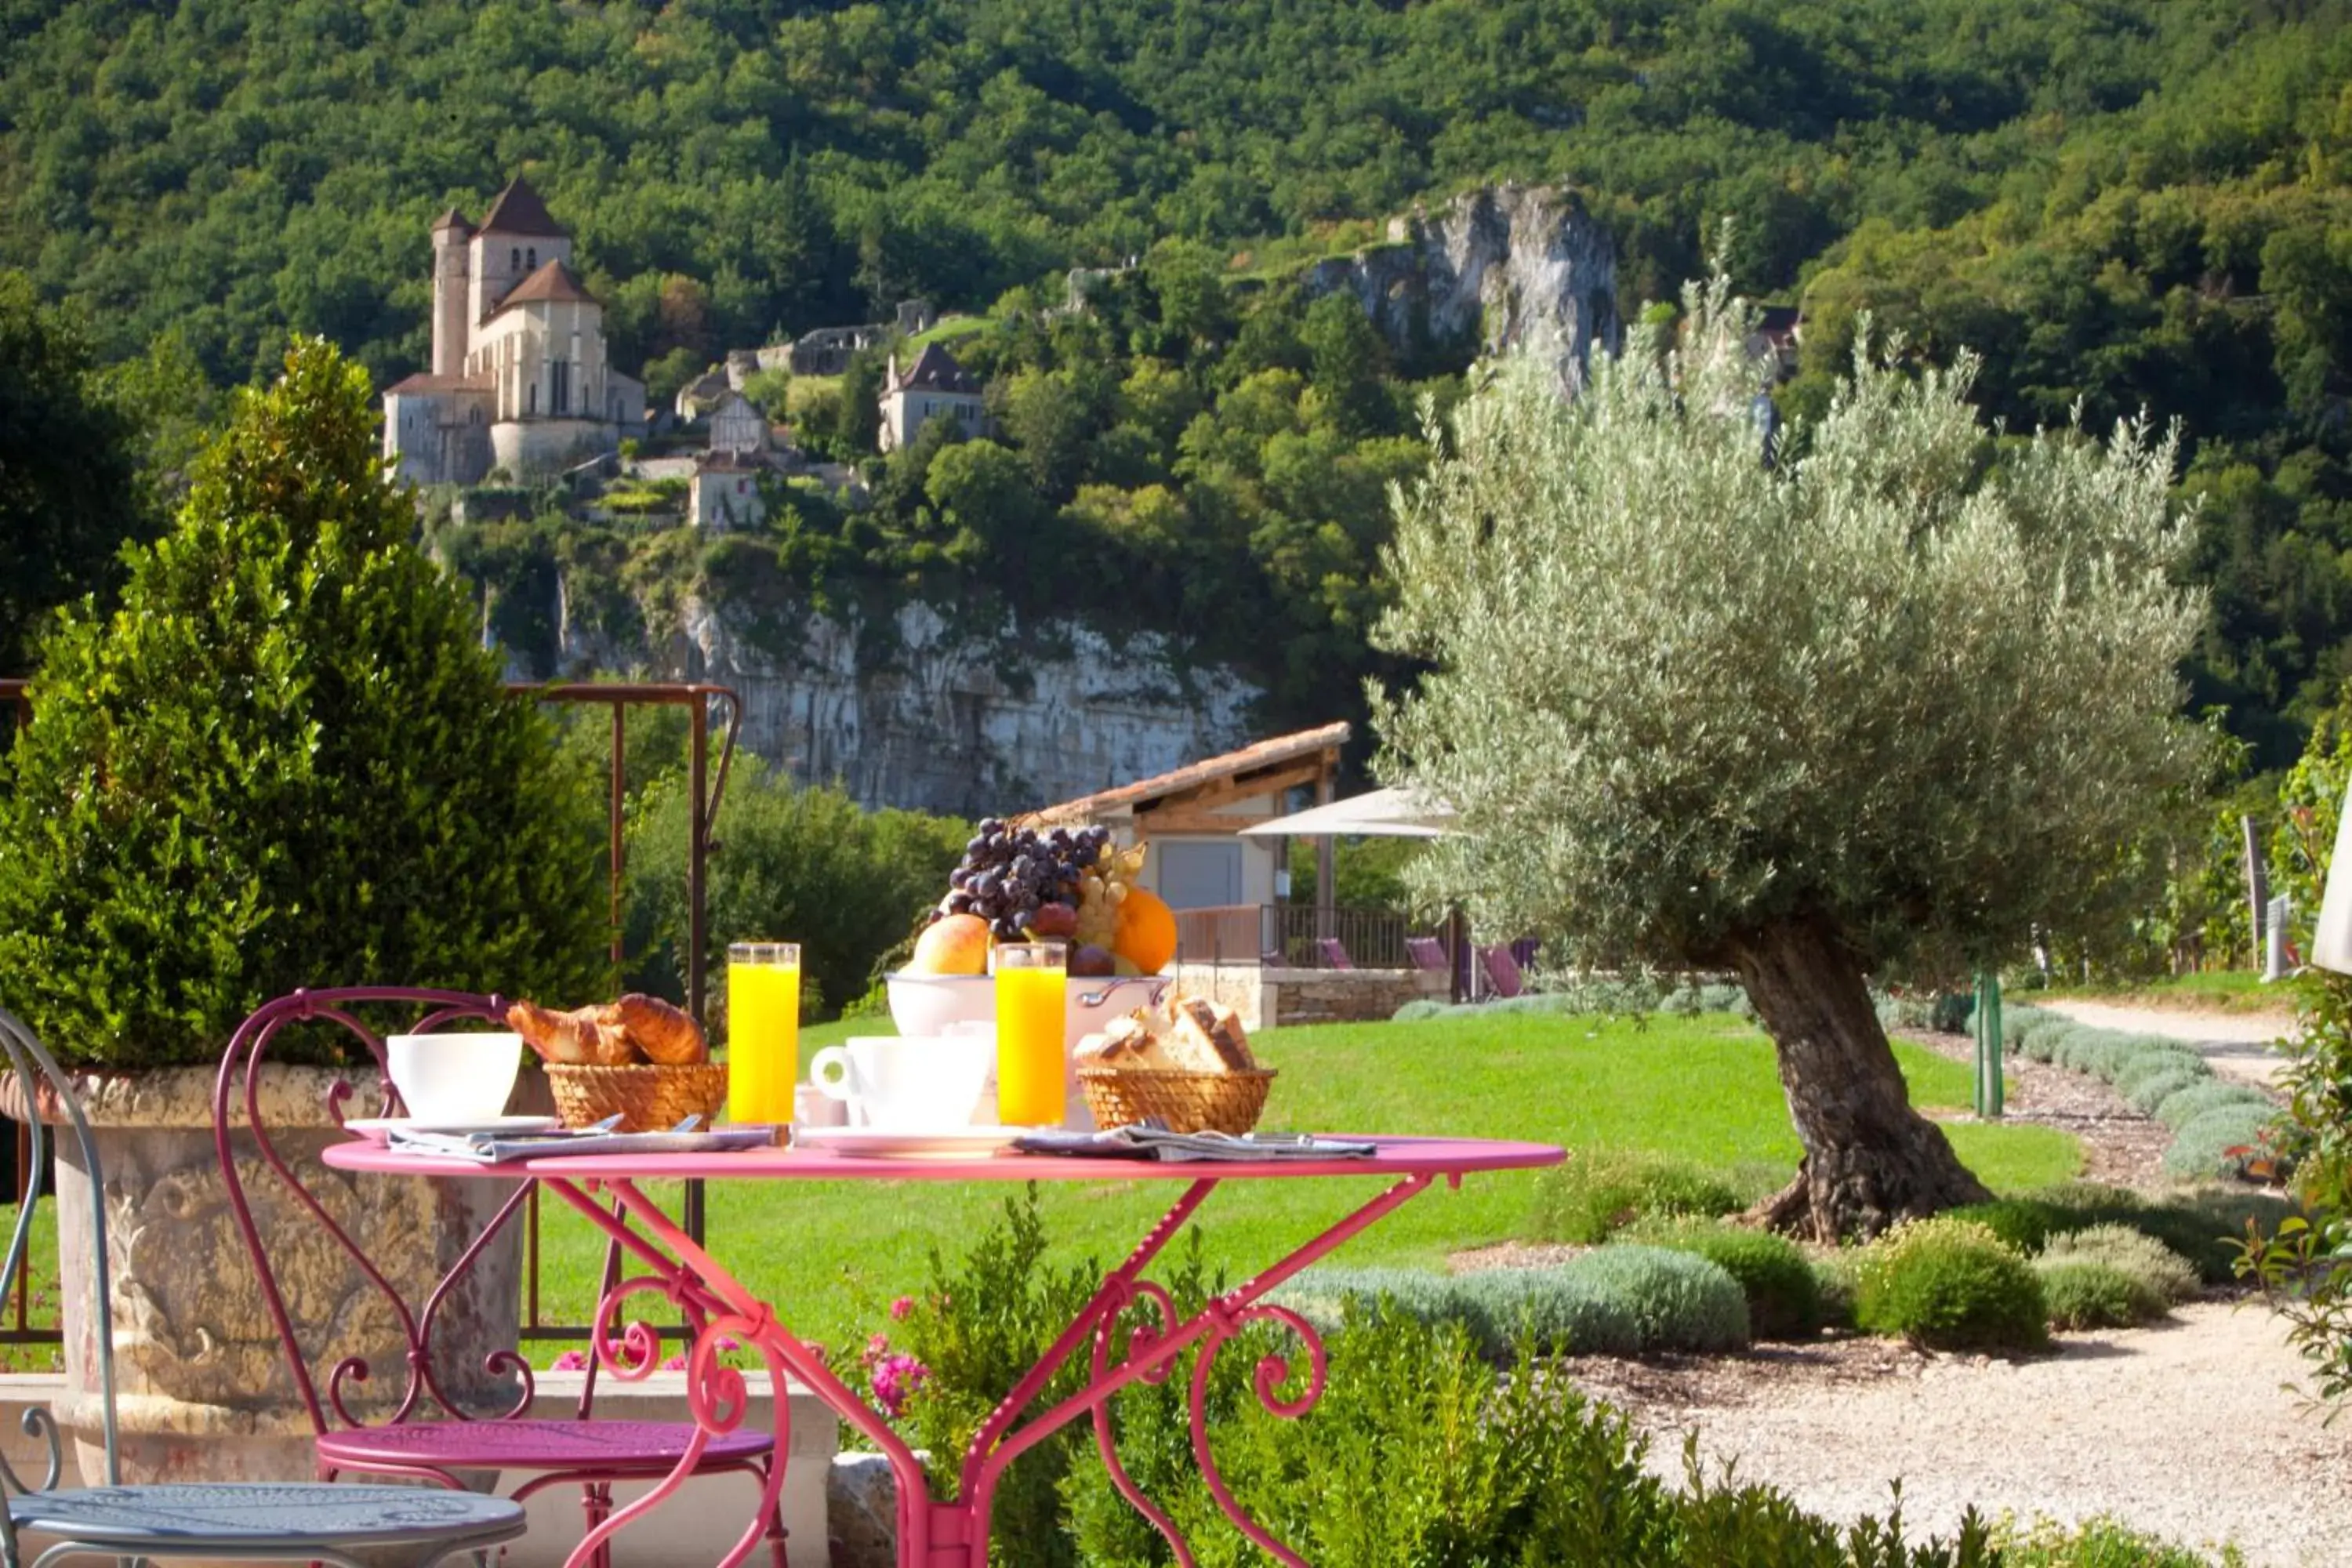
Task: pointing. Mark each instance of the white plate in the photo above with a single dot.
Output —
(962, 1143)
(379, 1129)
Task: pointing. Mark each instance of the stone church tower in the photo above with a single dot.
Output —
(519, 379)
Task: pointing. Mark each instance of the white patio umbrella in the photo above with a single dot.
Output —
(1379, 814)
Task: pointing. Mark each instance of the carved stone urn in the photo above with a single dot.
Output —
(204, 1390)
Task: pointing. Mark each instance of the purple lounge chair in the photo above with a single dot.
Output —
(1427, 953)
(1503, 976)
(1331, 955)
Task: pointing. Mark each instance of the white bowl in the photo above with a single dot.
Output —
(935, 1004)
(454, 1076)
(929, 1004)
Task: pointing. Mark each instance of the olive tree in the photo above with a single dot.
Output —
(1871, 710)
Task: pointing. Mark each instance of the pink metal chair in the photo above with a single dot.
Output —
(1331, 954)
(1427, 953)
(431, 1433)
(1503, 976)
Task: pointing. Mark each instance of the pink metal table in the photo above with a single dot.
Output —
(954, 1534)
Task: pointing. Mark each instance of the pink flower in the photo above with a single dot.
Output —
(877, 1347)
(901, 1307)
(675, 1363)
(569, 1361)
(896, 1381)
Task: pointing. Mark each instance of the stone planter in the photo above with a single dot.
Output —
(203, 1390)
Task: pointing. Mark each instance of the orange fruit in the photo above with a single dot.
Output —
(1146, 936)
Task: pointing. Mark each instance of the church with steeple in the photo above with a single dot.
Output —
(519, 381)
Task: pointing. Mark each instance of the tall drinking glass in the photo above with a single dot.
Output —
(763, 1029)
(1031, 1023)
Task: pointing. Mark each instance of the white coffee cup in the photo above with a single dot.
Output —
(907, 1083)
(455, 1076)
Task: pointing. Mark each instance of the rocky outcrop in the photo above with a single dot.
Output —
(1506, 266)
(926, 712)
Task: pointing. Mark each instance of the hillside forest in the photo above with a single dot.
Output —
(2124, 206)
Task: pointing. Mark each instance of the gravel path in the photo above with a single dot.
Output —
(2181, 1429)
(2237, 1044)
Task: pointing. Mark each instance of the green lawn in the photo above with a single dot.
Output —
(1701, 1089)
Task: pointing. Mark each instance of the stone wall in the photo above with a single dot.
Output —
(1279, 998)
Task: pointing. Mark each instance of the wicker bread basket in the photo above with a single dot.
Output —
(646, 1098)
(1187, 1101)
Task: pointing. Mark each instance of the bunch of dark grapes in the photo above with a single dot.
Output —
(1019, 879)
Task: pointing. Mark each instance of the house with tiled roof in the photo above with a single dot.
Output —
(932, 386)
(520, 379)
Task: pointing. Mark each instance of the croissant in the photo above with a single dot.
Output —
(667, 1035)
(589, 1036)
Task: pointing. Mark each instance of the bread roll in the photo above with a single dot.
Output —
(667, 1035)
(1210, 1038)
(585, 1037)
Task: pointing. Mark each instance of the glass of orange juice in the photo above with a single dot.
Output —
(763, 1029)
(1031, 1022)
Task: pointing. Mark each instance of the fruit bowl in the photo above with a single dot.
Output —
(928, 1004)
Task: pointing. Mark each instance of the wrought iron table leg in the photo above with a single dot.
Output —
(954, 1534)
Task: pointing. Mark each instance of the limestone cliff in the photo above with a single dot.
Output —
(1504, 266)
(926, 713)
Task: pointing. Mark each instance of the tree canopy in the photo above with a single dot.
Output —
(1877, 707)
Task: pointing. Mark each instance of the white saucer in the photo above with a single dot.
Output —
(379, 1129)
(960, 1144)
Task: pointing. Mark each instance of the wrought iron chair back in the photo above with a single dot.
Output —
(237, 1114)
(47, 1090)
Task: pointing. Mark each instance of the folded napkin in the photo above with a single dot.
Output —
(1153, 1140)
(496, 1148)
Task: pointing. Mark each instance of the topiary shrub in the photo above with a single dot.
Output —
(1553, 1312)
(2151, 1092)
(2169, 1277)
(2214, 1143)
(1784, 1294)
(1836, 1276)
(2015, 1021)
(2178, 1110)
(1417, 1010)
(287, 760)
(1950, 1284)
(2082, 1293)
(1598, 1192)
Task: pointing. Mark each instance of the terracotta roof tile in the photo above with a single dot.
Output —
(1232, 764)
(425, 382)
(519, 210)
(552, 282)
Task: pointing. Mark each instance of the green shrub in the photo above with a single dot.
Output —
(1551, 1311)
(2093, 1543)
(2039, 1042)
(1835, 1275)
(2206, 1227)
(1677, 1301)
(1950, 1284)
(288, 761)
(1617, 1301)
(2015, 1021)
(1417, 1010)
(2160, 1061)
(1469, 1467)
(2022, 1223)
(2167, 1275)
(2151, 1092)
(2177, 1111)
(1784, 1295)
(1595, 1194)
(2212, 1145)
(2082, 1293)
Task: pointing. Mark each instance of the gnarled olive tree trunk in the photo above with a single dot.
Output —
(1869, 1159)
